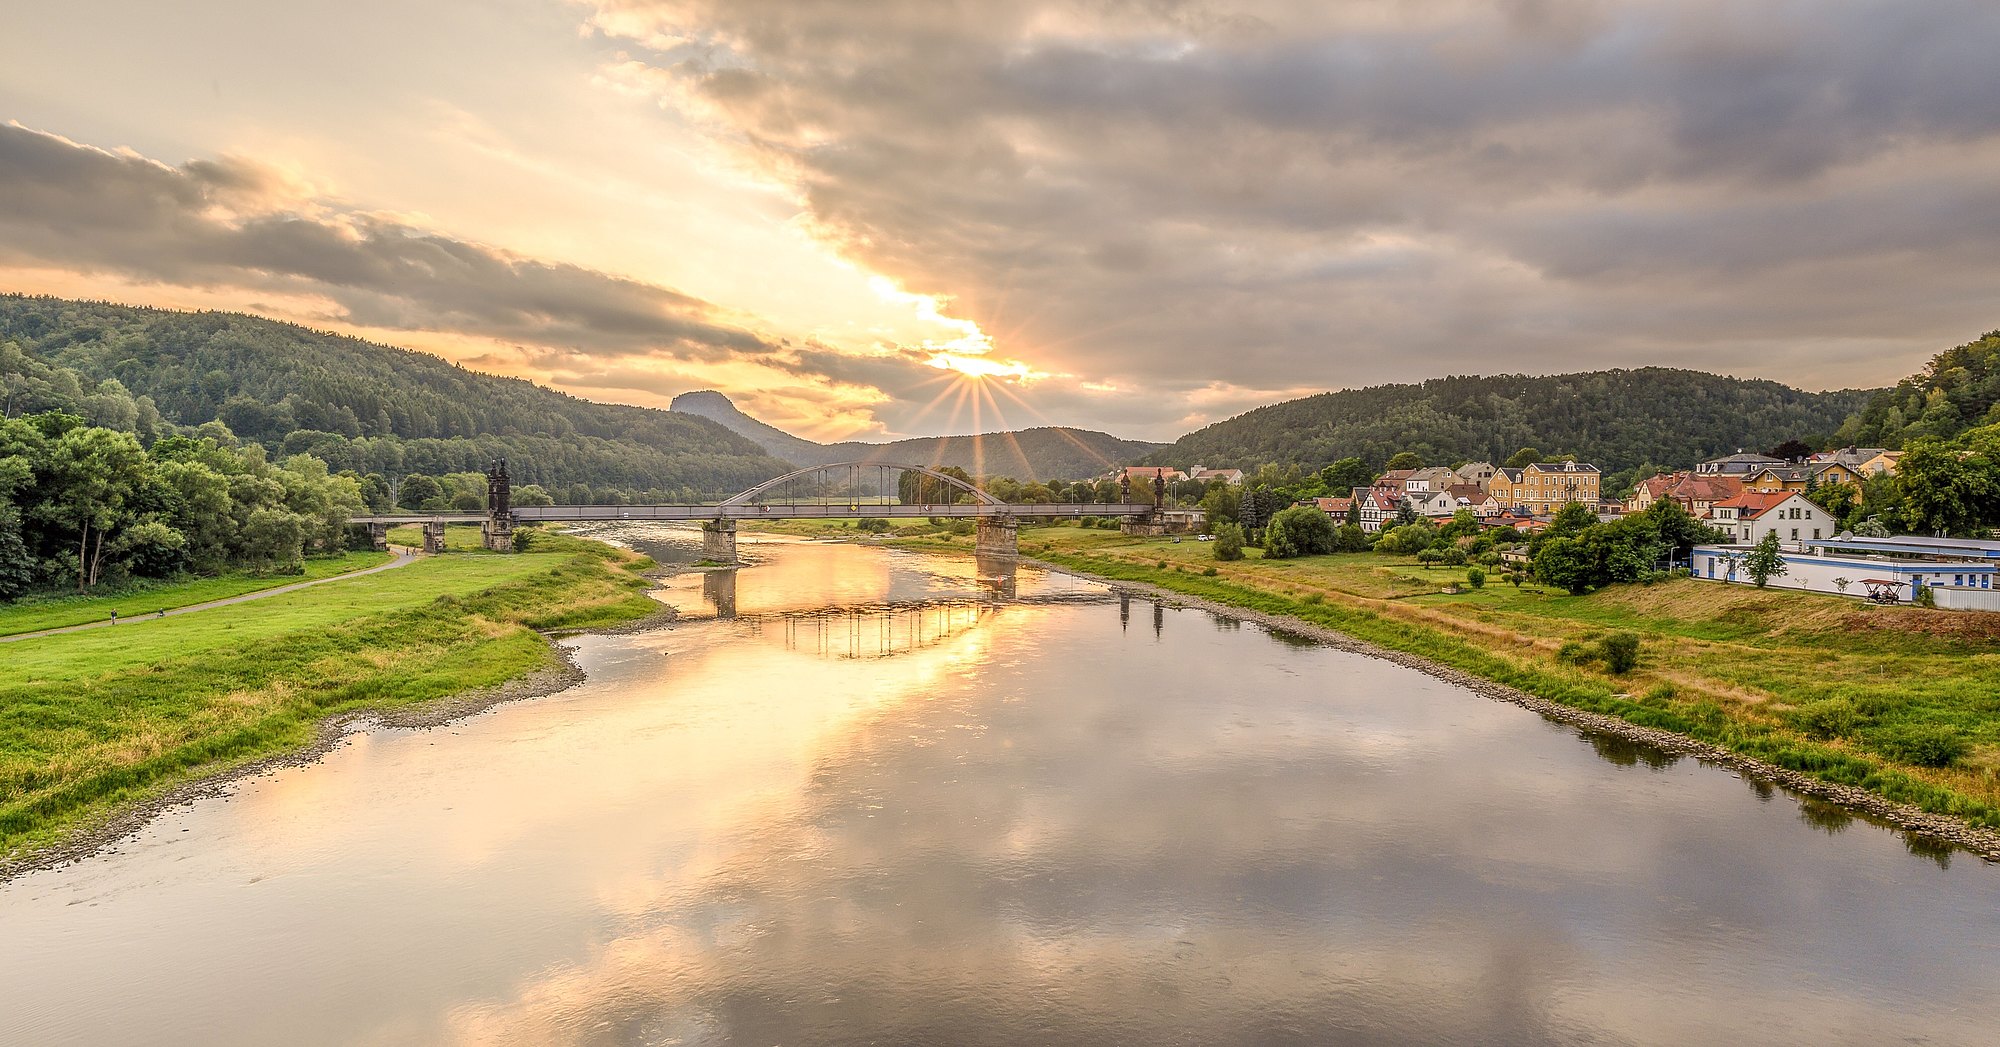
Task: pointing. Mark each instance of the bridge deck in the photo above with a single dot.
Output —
(769, 511)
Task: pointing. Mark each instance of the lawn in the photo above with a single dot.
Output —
(1821, 684)
(93, 721)
(61, 611)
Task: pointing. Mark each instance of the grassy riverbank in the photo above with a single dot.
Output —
(92, 722)
(57, 612)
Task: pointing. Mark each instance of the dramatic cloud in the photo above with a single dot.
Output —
(233, 223)
(1171, 195)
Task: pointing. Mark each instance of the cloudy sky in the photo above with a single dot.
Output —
(1134, 215)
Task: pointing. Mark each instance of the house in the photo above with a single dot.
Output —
(1438, 504)
(1545, 487)
(1472, 496)
(1378, 507)
(1136, 473)
(1750, 516)
(1429, 480)
(1781, 478)
(1475, 473)
(1233, 477)
(1699, 493)
(1396, 478)
(1334, 507)
(1652, 489)
(1736, 464)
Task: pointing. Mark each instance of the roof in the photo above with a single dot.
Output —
(1750, 505)
(1740, 458)
(1915, 544)
(1230, 473)
(1396, 474)
(1707, 488)
(1333, 506)
(1563, 467)
(1511, 474)
(1467, 492)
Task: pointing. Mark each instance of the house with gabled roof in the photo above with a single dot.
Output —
(1749, 516)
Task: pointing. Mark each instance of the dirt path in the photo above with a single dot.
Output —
(403, 558)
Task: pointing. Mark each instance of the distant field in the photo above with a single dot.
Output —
(94, 720)
(60, 612)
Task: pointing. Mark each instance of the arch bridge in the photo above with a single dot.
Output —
(837, 491)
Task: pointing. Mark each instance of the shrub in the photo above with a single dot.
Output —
(1926, 745)
(1826, 718)
(1926, 598)
(1476, 578)
(1574, 653)
(1208, 572)
(1228, 541)
(871, 525)
(1452, 556)
(1620, 651)
(525, 539)
(1300, 531)
(1315, 598)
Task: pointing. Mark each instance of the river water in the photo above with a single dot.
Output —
(870, 797)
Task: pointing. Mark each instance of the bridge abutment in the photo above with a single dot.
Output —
(378, 537)
(1148, 526)
(718, 541)
(433, 536)
(998, 537)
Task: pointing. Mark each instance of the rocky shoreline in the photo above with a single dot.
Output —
(1983, 842)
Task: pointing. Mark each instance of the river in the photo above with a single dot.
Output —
(862, 796)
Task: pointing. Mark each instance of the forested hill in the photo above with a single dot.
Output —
(1615, 419)
(1960, 389)
(1048, 452)
(358, 405)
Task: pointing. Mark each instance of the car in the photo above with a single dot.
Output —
(1205, 538)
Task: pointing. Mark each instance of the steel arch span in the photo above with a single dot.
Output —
(981, 497)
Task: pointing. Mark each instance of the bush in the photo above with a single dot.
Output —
(1925, 746)
(525, 539)
(1299, 531)
(1826, 718)
(1228, 541)
(1620, 652)
(871, 525)
(1574, 653)
(1315, 598)
(1452, 556)
(1208, 572)
(1476, 578)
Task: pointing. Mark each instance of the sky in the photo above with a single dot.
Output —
(881, 218)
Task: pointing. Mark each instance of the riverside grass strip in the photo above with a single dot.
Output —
(65, 611)
(94, 723)
(1726, 678)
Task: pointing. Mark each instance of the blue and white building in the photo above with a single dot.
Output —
(1959, 572)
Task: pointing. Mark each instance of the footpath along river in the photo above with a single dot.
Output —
(857, 796)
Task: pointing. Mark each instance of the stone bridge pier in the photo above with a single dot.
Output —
(433, 536)
(497, 533)
(378, 537)
(998, 537)
(718, 541)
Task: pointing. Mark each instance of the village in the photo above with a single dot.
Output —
(1743, 497)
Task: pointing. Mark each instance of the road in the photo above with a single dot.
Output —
(403, 557)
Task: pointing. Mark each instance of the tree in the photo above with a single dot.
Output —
(1570, 520)
(1567, 565)
(1764, 561)
(531, 496)
(1344, 475)
(1946, 489)
(1475, 577)
(1299, 531)
(1228, 541)
(93, 474)
(1353, 517)
(1793, 450)
(1523, 458)
(1350, 538)
(1406, 514)
(1677, 529)
(419, 490)
(1405, 460)
(1220, 503)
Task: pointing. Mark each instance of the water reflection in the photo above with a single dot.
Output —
(925, 815)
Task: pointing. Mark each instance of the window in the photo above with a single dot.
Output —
(1795, 534)
(1815, 534)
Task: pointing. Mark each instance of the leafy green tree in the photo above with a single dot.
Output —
(1566, 564)
(1350, 538)
(1764, 561)
(531, 496)
(1299, 531)
(1677, 530)
(419, 491)
(1946, 488)
(1220, 503)
(1406, 514)
(1523, 458)
(94, 475)
(1228, 541)
(1475, 577)
(1404, 460)
(1353, 517)
(1570, 520)
(1346, 474)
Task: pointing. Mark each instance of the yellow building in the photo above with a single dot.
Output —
(1543, 488)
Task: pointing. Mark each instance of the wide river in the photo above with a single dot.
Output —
(857, 796)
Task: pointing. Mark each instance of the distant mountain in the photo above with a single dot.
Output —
(356, 404)
(1615, 419)
(1048, 452)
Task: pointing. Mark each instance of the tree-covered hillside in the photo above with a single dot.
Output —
(1960, 389)
(357, 405)
(1041, 453)
(1615, 419)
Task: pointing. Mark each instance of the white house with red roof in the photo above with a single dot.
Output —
(1751, 515)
